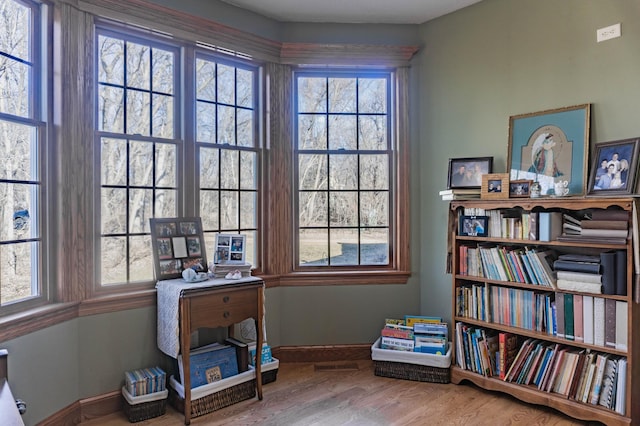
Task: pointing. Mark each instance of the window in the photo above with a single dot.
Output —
(228, 149)
(138, 133)
(146, 163)
(23, 145)
(343, 150)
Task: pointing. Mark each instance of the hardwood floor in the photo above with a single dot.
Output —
(348, 393)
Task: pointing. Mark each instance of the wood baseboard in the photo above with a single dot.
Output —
(102, 405)
(322, 353)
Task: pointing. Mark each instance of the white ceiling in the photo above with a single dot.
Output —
(353, 11)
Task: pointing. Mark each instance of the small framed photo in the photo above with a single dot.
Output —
(613, 170)
(495, 186)
(230, 248)
(520, 188)
(467, 172)
(177, 245)
(474, 226)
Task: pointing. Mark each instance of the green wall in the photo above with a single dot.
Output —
(477, 67)
(499, 58)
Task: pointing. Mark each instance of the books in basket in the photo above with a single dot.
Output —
(210, 364)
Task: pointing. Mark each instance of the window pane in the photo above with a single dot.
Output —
(342, 132)
(312, 170)
(162, 117)
(251, 247)
(343, 249)
(111, 63)
(229, 210)
(373, 132)
(15, 82)
(19, 278)
(248, 170)
(374, 249)
(114, 260)
(246, 133)
(141, 167)
(374, 208)
(343, 171)
(163, 72)
(114, 217)
(209, 210)
(312, 94)
(343, 209)
(18, 151)
(226, 84)
(245, 96)
(313, 209)
(138, 66)
(312, 132)
(206, 122)
(141, 259)
(229, 169)
(209, 168)
(138, 112)
(226, 125)
(374, 172)
(248, 210)
(342, 95)
(166, 204)
(16, 62)
(113, 161)
(314, 247)
(205, 80)
(140, 209)
(166, 163)
(372, 95)
(17, 216)
(110, 109)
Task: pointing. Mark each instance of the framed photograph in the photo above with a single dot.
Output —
(551, 146)
(495, 186)
(230, 248)
(467, 172)
(614, 166)
(474, 226)
(520, 188)
(178, 244)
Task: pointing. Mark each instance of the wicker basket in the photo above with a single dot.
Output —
(411, 365)
(144, 407)
(406, 371)
(217, 400)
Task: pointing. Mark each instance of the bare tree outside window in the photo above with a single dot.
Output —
(21, 144)
(138, 150)
(227, 144)
(343, 153)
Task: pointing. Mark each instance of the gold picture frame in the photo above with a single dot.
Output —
(495, 186)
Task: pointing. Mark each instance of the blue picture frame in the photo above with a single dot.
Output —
(551, 146)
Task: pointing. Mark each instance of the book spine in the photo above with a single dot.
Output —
(608, 263)
(621, 272)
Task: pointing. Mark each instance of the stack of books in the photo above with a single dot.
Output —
(422, 334)
(598, 226)
(578, 272)
(145, 381)
(460, 193)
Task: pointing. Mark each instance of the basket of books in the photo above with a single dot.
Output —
(144, 407)
(144, 393)
(413, 348)
(416, 366)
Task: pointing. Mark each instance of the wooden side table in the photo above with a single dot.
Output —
(219, 306)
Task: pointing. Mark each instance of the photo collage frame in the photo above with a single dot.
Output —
(178, 244)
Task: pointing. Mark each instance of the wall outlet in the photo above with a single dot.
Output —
(607, 33)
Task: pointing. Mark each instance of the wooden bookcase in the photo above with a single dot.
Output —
(531, 393)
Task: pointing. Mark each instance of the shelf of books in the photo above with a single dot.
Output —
(546, 303)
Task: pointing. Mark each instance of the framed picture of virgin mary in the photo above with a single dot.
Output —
(550, 146)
